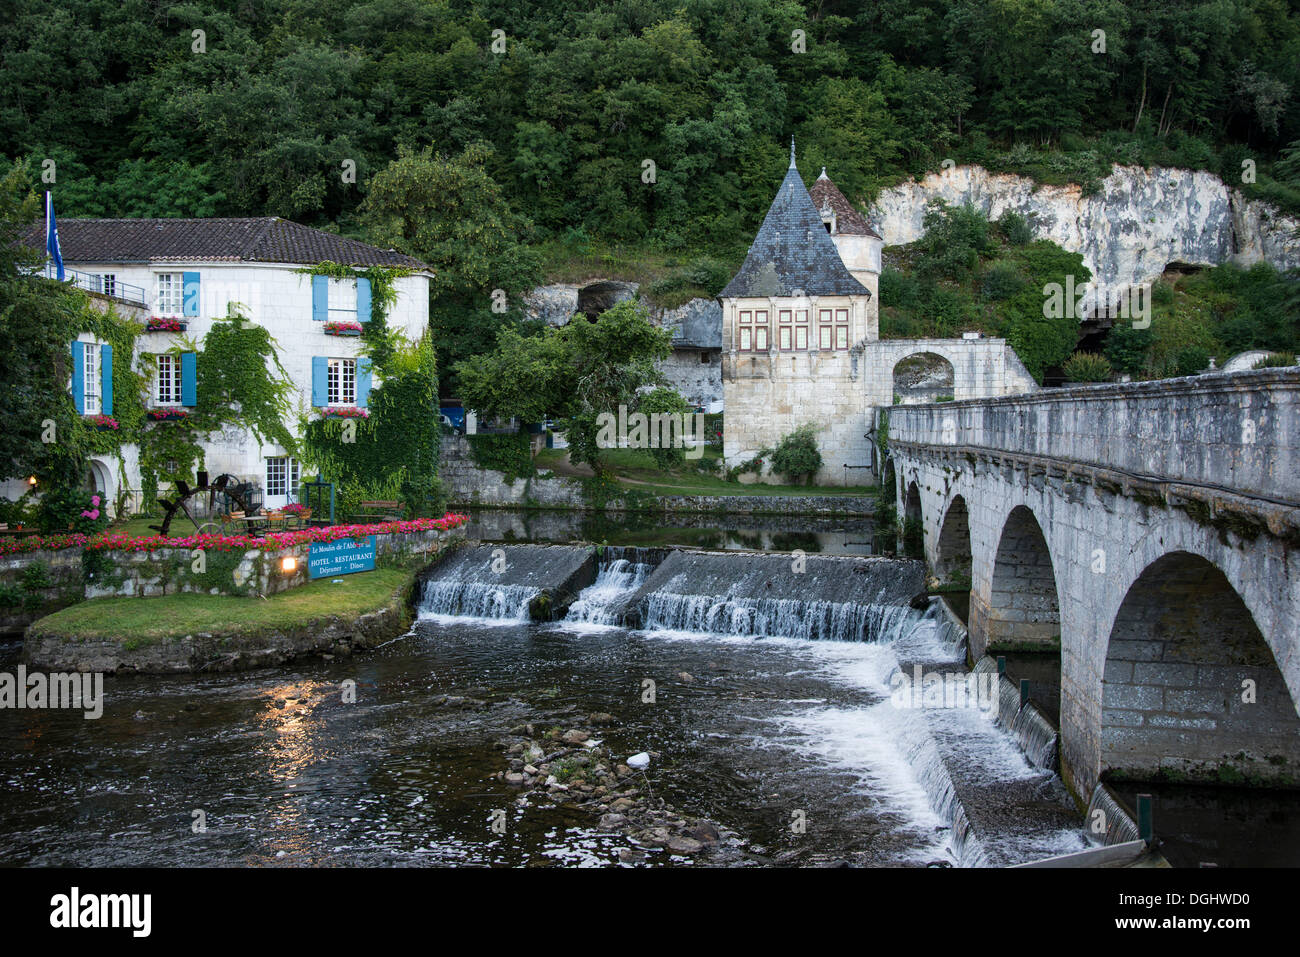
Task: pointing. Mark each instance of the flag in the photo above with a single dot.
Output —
(52, 236)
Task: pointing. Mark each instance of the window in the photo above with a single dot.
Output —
(841, 328)
(167, 384)
(801, 329)
(170, 285)
(108, 284)
(825, 333)
(90, 377)
(784, 337)
(342, 382)
(704, 358)
(343, 299)
(761, 331)
(281, 475)
(746, 337)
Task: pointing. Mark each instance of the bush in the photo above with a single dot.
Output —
(1191, 360)
(1087, 367)
(62, 509)
(1162, 294)
(1127, 348)
(898, 289)
(1001, 281)
(1275, 360)
(1015, 229)
(666, 401)
(508, 453)
(796, 456)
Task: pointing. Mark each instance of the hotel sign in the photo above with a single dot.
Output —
(343, 557)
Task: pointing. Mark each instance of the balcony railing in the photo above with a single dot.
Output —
(96, 283)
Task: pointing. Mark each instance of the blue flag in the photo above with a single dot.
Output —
(52, 236)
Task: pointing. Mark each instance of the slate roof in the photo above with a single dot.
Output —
(848, 220)
(793, 251)
(267, 239)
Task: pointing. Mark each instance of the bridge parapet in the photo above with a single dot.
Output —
(1239, 432)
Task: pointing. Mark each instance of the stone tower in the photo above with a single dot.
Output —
(794, 320)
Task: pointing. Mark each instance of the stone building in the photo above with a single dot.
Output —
(801, 338)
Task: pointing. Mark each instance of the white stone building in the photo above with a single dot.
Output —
(192, 271)
(801, 338)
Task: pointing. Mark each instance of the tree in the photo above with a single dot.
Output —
(39, 318)
(796, 456)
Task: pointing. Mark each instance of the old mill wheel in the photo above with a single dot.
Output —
(223, 484)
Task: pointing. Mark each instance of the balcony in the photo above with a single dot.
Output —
(90, 282)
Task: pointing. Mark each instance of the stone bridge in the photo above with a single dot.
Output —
(1149, 534)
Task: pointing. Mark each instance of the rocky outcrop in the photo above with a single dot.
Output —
(1139, 222)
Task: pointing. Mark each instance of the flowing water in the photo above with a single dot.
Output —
(761, 714)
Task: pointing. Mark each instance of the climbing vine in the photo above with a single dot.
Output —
(381, 342)
(240, 385)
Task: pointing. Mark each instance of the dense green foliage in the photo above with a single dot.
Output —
(577, 373)
(967, 274)
(262, 112)
(1087, 367)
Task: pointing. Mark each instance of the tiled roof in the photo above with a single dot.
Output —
(266, 239)
(848, 220)
(793, 251)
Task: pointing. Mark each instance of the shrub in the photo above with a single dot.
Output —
(1087, 367)
(898, 289)
(1001, 281)
(796, 456)
(1191, 360)
(1275, 360)
(1162, 294)
(1127, 348)
(1015, 229)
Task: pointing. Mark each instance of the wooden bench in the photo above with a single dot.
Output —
(379, 511)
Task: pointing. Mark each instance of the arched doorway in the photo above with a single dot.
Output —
(923, 377)
(1191, 690)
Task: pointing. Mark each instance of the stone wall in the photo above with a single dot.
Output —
(168, 571)
(699, 382)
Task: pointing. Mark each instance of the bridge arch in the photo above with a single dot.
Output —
(1190, 686)
(1024, 608)
(953, 552)
(913, 528)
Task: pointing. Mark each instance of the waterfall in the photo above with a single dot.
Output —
(477, 600)
(1037, 736)
(922, 754)
(599, 603)
(1113, 822)
(775, 617)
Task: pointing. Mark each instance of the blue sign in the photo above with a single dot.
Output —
(343, 557)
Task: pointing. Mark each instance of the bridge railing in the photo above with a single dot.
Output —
(1236, 431)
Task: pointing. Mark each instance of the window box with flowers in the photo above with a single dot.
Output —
(102, 423)
(165, 324)
(343, 327)
(168, 415)
(344, 412)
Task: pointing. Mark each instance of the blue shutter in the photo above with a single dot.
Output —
(363, 382)
(189, 379)
(190, 294)
(320, 298)
(363, 299)
(320, 381)
(79, 377)
(106, 379)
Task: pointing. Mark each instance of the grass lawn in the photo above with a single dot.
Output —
(635, 468)
(175, 616)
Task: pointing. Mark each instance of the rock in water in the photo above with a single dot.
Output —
(639, 761)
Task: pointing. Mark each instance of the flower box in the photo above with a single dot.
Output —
(343, 328)
(168, 415)
(165, 324)
(344, 412)
(103, 423)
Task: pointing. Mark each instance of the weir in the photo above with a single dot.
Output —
(507, 582)
(841, 598)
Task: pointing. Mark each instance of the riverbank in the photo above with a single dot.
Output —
(194, 632)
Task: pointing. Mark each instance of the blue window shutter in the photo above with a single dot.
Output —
(363, 382)
(79, 377)
(189, 379)
(106, 378)
(363, 299)
(320, 298)
(190, 294)
(320, 380)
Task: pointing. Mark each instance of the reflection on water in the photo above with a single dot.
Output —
(814, 534)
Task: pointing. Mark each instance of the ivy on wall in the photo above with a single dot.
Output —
(381, 342)
(240, 385)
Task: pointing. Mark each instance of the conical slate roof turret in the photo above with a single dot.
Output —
(793, 251)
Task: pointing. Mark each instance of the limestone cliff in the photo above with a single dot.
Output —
(1138, 223)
